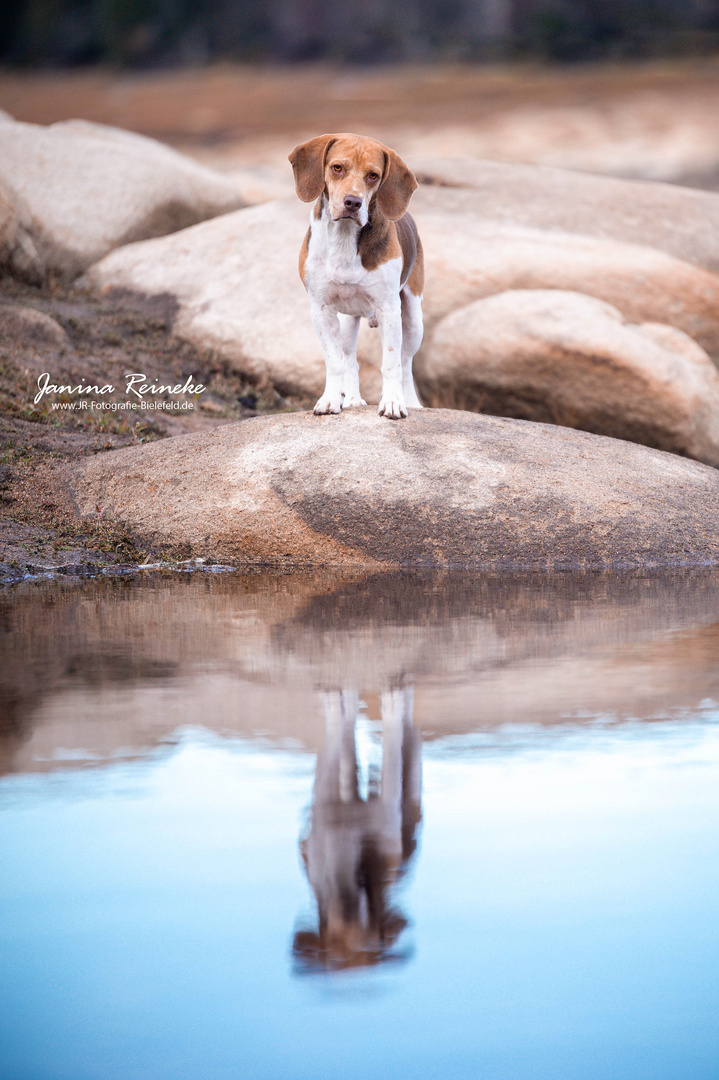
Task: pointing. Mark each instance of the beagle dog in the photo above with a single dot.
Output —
(361, 257)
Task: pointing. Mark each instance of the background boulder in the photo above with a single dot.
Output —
(237, 288)
(470, 255)
(88, 189)
(679, 221)
(566, 358)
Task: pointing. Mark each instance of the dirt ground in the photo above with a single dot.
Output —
(96, 341)
(649, 120)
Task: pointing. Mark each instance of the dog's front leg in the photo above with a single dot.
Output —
(336, 777)
(392, 403)
(349, 328)
(327, 327)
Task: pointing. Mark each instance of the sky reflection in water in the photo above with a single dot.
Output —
(561, 903)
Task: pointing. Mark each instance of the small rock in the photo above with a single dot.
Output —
(18, 253)
(25, 328)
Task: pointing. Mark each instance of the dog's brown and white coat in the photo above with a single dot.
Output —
(361, 257)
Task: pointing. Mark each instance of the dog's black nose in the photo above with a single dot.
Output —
(352, 203)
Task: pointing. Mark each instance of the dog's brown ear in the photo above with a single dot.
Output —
(397, 185)
(308, 165)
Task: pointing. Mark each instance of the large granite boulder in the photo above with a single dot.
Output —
(679, 221)
(237, 289)
(442, 488)
(566, 358)
(88, 188)
(470, 255)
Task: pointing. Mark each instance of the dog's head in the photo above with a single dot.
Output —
(353, 172)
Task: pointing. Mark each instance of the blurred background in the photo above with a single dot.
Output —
(147, 32)
(619, 87)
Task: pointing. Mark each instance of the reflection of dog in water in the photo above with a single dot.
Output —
(356, 848)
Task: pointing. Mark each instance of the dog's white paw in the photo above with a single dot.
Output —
(392, 406)
(352, 401)
(329, 403)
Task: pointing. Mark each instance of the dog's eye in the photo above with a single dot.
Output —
(372, 177)
(337, 168)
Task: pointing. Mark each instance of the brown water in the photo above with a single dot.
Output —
(308, 825)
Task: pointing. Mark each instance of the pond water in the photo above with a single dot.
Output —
(312, 826)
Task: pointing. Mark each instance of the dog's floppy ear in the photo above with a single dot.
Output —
(308, 165)
(397, 185)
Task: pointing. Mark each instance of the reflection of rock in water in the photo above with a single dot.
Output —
(358, 848)
(115, 666)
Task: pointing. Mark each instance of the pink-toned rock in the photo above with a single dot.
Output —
(443, 488)
(470, 255)
(570, 359)
(238, 291)
(681, 222)
(89, 188)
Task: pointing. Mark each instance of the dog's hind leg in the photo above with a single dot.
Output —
(349, 328)
(412, 331)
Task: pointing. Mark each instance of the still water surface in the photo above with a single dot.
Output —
(302, 826)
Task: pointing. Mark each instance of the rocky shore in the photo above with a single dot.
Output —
(562, 308)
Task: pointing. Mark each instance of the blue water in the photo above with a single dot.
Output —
(561, 906)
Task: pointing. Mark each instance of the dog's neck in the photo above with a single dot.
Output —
(347, 240)
(341, 238)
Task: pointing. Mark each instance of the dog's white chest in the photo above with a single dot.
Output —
(344, 273)
(337, 278)
(350, 299)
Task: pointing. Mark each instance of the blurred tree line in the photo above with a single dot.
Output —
(176, 32)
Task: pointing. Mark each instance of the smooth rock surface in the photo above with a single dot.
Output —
(469, 256)
(262, 183)
(441, 488)
(238, 290)
(90, 188)
(565, 358)
(682, 222)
